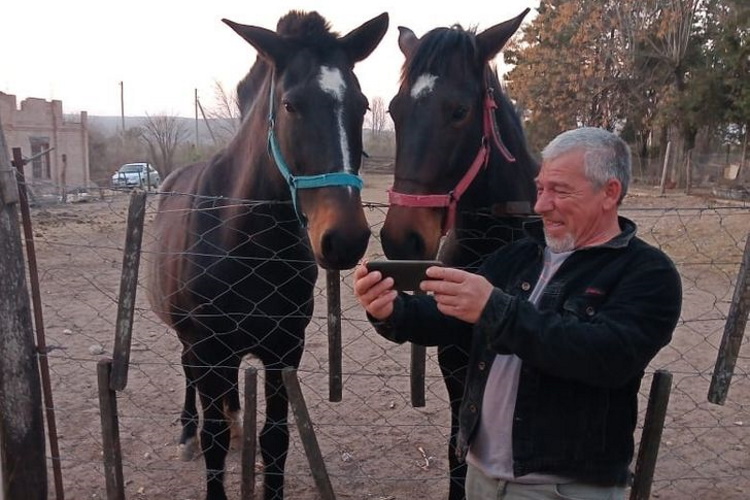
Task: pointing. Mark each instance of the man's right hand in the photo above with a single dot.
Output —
(374, 293)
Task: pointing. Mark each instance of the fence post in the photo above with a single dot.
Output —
(653, 426)
(41, 338)
(689, 172)
(249, 429)
(307, 434)
(665, 169)
(418, 373)
(128, 287)
(113, 476)
(22, 442)
(734, 330)
(335, 365)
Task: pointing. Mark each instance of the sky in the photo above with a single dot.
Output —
(155, 54)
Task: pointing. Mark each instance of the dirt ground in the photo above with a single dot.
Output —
(375, 445)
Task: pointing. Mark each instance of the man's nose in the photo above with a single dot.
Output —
(543, 203)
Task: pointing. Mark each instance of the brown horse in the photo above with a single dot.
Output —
(462, 169)
(239, 239)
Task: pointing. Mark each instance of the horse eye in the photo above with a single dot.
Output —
(459, 113)
(288, 107)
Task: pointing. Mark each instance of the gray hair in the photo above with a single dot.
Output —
(606, 156)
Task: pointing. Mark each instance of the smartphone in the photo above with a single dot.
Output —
(406, 274)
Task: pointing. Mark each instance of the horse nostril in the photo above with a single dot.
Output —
(412, 246)
(343, 251)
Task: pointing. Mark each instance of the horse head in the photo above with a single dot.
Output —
(459, 143)
(303, 91)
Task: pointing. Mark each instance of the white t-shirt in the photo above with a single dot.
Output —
(491, 451)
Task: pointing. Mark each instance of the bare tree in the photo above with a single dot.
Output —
(378, 118)
(224, 114)
(162, 135)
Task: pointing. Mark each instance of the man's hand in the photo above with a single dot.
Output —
(458, 293)
(374, 293)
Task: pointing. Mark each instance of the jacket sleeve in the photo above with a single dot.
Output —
(600, 341)
(417, 319)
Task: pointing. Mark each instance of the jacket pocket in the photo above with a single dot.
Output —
(584, 307)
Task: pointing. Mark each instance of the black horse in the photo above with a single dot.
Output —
(236, 277)
(462, 168)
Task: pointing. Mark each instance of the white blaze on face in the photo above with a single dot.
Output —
(424, 85)
(332, 82)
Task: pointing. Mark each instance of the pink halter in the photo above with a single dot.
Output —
(451, 199)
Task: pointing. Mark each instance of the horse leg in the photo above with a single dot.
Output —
(453, 363)
(274, 437)
(213, 386)
(189, 417)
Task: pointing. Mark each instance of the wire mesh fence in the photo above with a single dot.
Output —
(374, 444)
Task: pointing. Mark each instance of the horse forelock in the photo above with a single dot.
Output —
(308, 26)
(430, 56)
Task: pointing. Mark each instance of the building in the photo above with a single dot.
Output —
(57, 144)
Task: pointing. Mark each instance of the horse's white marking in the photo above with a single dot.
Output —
(424, 85)
(332, 82)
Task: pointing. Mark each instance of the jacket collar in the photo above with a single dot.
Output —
(535, 230)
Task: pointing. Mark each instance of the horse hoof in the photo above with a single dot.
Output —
(188, 450)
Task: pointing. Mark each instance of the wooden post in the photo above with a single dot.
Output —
(418, 372)
(689, 172)
(307, 434)
(417, 375)
(128, 288)
(22, 442)
(335, 365)
(249, 430)
(665, 169)
(653, 427)
(63, 180)
(734, 330)
(110, 432)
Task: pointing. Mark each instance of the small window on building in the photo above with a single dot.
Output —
(40, 165)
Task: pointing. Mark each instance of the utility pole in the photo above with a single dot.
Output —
(122, 106)
(196, 118)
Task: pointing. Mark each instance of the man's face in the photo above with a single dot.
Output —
(575, 214)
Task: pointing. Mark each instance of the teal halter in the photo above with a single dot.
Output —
(303, 181)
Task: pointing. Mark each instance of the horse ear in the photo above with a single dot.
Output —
(269, 44)
(493, 39)
(360, 42)
(407, 40)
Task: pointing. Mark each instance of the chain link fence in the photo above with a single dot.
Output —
(374, 444)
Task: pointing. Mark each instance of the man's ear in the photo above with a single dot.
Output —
(612, 192)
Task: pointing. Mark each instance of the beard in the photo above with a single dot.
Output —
(560, 244)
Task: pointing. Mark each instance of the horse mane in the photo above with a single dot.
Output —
(430, 56)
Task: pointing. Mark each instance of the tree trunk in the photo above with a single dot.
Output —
(22, 439)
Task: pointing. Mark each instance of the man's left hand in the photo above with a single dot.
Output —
(458, 293)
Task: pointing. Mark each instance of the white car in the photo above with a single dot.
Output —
(132, 175)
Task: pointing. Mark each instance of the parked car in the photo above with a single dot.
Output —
(132, 175)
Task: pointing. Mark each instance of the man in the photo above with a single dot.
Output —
(560, 327)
